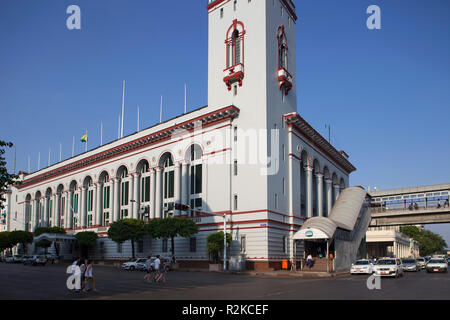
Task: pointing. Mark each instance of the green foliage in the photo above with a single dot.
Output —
(214, 243)
(429, 242)
(20, 236)
(127, 229)
(6, 179)
(50, 230)
(43, 244)
(172, 228)
(5, 241)
(86, 239)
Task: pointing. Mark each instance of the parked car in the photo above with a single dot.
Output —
(36, 260)
(25, 259)
(389, 267)
(9, 259)
(437, 265)
(421, 263)
(362, 267)
(137, 264)
(51, 257)
(410, 265)
(166, 262)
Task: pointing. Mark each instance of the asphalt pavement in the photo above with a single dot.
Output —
(19, 282)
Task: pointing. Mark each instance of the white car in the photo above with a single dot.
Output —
(134, 265)
(437, 265)
(362, 267)
(389, 267)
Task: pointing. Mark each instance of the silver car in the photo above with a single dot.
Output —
(410, 265)
(389, 267)
(421, 263)
(437, 265)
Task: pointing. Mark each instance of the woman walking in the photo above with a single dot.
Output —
(82, 265)
(89, 277)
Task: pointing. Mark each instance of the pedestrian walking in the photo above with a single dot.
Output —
(446, 204)
(89, 276)
(148, 267)
(157, 268)
(82, 271)
(161, 273)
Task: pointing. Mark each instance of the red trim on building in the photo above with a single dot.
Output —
(157, 137)
(294, 121)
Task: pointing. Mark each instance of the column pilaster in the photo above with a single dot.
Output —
(309, 191)
(319, 178)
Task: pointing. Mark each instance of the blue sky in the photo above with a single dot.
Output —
(384, 92)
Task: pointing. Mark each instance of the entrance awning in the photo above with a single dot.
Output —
(317, 228)
(55, 237)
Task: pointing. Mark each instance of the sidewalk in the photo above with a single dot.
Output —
(281, 273)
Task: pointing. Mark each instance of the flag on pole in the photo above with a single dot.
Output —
(84, 138)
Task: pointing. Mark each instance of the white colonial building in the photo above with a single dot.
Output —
(248, 154)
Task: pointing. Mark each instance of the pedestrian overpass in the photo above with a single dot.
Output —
(410, 206)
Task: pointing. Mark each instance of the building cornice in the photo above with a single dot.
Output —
(304, 128)
(289, 4)
(208, 119)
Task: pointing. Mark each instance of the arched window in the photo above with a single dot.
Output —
(145, 182)
(124, 193)
(282, 54)
(196, 178)
(282, 49)
(234, 50)
(284, 77)
(235, 44)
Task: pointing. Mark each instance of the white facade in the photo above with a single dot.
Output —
(391, 242)
(247, 155)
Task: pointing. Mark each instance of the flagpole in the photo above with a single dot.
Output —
(123, 108)
(39, 161)
(101, 133)
(86, 140)
(15, 160)
(138, 119)
(73, 146)
(185, 99)
(29, 165)
(60, 152)
(49, 155)
(160, 110)
(118, 129)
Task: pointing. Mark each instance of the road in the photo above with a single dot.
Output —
(49, 283)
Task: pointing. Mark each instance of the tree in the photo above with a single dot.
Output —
(429, 242)
(21, 237)
(45, 244)
(5, 241)
(214, 244)
(174, 227)
(49, 230)
(6, 179)
(86, 240)
(127, 229)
